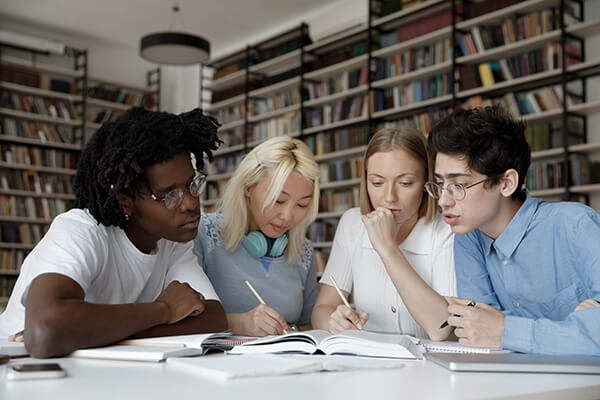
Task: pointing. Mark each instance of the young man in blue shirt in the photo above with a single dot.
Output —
(532, 268)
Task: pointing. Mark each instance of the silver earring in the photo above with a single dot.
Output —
(126, 216)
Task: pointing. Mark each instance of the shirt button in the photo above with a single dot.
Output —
(394, 309)
(518, 304)
(505, 262)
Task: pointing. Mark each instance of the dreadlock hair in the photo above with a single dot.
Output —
(113, 161)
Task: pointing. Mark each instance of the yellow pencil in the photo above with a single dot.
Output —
(255, 292)
(260, 298)
(342, 297)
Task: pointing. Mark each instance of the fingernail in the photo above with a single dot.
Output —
(359, 326)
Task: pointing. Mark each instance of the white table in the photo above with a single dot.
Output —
(115, 380)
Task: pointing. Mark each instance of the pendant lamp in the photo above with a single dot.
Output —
(174, 48)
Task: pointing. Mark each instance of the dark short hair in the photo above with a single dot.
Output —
(114, 159)
(490, 141)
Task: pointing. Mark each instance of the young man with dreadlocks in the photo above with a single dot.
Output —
(120, 263)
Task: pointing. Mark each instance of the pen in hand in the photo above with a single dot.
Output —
(260, 299)
(445, 324)
(359, 327)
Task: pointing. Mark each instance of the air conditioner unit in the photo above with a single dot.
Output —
(29, 42)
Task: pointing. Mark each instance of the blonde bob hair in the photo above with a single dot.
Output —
(277, 157)
(414, 143)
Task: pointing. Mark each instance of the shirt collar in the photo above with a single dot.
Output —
(418, 242)
(514, 232)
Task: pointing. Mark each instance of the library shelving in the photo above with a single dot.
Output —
(414, 65)
(256, 94)
(43, 101)
(41, 133)
(106, 100)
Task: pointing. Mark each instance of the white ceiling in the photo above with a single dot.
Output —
(227, 24)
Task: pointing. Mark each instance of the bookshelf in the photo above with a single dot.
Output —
(106, 100)
(43, 99)
(414, 65)
(256, 94)
(41, 133)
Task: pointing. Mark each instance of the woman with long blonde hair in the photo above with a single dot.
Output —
(258, 236)
(395, 252)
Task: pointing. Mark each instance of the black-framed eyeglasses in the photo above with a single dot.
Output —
(458, 191)
(174, 198)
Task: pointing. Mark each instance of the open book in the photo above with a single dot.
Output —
(153, 349)
(353, 342)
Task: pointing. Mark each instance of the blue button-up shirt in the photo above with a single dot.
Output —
(537, 271)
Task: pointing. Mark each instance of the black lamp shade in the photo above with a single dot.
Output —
(174, 48)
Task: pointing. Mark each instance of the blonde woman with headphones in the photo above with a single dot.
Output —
(258, 235)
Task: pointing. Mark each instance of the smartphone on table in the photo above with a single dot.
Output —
(34, 371)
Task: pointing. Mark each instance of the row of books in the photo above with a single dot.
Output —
(548, 174)
(37, 182)
(232, 91)
(224, 164)
(103, 115)
(286, 124)
(260, 54)
(31, 155)
(348, 108)
(418, 27)
(543, 59)
(381, 8)
(511, 30)
(336, 84)
(214, 189)
(231, 113)
(339, 54)
(11, 260)
(45, 133)
(339, 200)
(232, 137)
(525, 102)
(117, 95)
(414, 59)
(28, 77)
(422, 122)
(337, 140)
(339, 170)
(549, 135)
(435, 86)
(322, 230)
(48, 106)
(30, 207)
(276, 102)
(7, 283)
(22, 233)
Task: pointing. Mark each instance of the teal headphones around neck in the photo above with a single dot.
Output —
(257, 246)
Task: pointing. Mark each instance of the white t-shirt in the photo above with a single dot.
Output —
(354, 264)
(107, 266)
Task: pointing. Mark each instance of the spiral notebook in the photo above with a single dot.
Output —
(455, 347)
